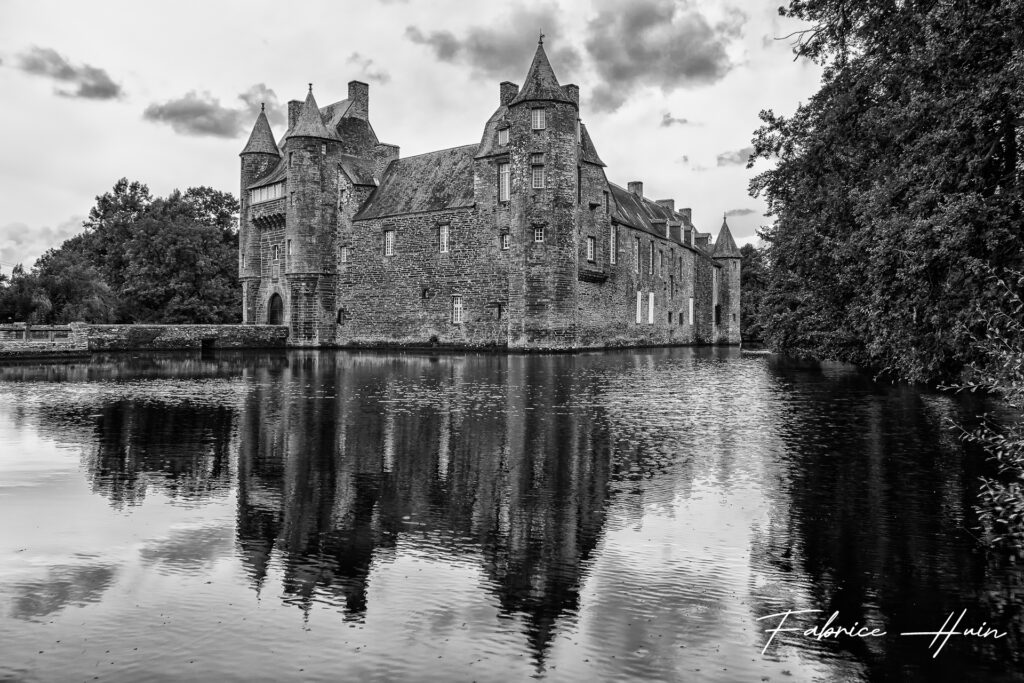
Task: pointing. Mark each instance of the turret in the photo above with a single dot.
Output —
(544, 159)
(258, 158)
(728, 255)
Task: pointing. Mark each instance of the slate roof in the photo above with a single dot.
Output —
(647, 216)
(279, 173)
(261, 140)
(359, 170)
(541, 83)
(725, 245)
(310, 124)
(434, 181)
(588, 151)
(489, 142)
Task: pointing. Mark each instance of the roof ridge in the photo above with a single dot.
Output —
(435, 151)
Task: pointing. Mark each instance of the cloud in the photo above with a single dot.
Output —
(736, 158)
(21, 244)
(658, 43)
(503, 52)
(683, 160)
(86, 81)
(740, 212)
(197, 113)
(365, 64)
(668, 120)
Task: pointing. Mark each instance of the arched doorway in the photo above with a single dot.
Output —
(275, 310)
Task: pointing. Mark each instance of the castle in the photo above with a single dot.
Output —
(517, 242)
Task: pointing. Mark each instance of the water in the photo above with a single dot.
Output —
(606, 516)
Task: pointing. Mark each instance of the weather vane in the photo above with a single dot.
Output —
(540, 41)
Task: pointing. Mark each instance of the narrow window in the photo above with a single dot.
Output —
(579, 184)
(323, 149)
(613, 244)
(670, 317)
(636, 255)
(289, 252)
(538, 234)
(344, 254)
(389, 242)
(691, 310)
(443, 239)
(639, 306)
(504, 182)
(539, 119)
(590, 248)
(606, 202)
(243, 260)
(503, 136)
(650, 261)
(498, 311)
(734, 317)
(718, 314)
(505, 240)
(290, 155)
(538, 170)
(650, 308)
(277, 253)
(661, 262)
(671, 286)
(457, 309)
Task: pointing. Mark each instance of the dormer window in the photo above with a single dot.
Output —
(539, 119)
(503, 136)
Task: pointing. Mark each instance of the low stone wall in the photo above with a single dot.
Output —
(68, 341)
(179, 337)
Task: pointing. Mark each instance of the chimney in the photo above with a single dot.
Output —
(508, 92)
(383, 154)
(294, 109)
(572, 91)
(636, 187)
(669, 204)
(359, 100)
(687, 214)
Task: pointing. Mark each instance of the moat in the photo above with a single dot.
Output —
(322, 515)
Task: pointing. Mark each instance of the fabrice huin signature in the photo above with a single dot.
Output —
(831, 629)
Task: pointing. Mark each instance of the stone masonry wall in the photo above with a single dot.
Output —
(171, 337)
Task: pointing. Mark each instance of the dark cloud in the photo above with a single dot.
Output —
(202, 114)
(503, 52)
(86, 81)
(371, 72)
(740, 212)
(668, 120)
(736, 158)
(661, 43)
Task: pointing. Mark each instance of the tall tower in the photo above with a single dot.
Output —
(259, 158)
(308, 244)
(543, 155)
(728, 255)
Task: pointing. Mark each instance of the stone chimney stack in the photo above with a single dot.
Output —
(508, 92)
(294, 109)
(359, 100)
(636, 187)
(383, 154)
(572, 91)
(687, 214)
(669, 204)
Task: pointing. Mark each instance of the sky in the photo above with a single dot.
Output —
(166, 93)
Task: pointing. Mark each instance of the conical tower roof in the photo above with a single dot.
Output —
(261, 140)
(310, 125)
(725, 245)
(540, 83)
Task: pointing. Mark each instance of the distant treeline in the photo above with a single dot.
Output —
(171, 259)
(896, 188)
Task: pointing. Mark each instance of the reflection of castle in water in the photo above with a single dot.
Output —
(343, 456)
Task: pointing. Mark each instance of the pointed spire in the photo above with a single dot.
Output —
(725, 245)
(261, 140)
(541, 83)
(309, 124)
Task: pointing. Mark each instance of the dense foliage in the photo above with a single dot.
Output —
(753, 275)
(139, 259)
(897, 186)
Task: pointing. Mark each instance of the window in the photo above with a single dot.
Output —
(342, 316)
(504, 182)
(289, 252)
(650, 261)
(498, 311)
(443, 239)
(606, 202)
(243, 261)
(290, 155)
(389, 242)
(579, 184)
(691, 310)
(670, 317)
(323, 149)
(344, 254)
(613, 244)
(538, 170)
(650, 308)
(505, 239)
(503, 136)
(539, 119)
(636, 255)
(590, 248)
(661, 262)
(718, 314)
(276, 253)
(639, 306)
(457, 309)
(266, 194)
(671, 286)
(538, 234)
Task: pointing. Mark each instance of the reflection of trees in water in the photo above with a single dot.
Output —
(64, 585)
(476, 456)
(871, 517)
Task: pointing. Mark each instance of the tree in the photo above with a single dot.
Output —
(752, 286)
(898, 185)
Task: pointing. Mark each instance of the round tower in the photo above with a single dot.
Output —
(259, 157)
(728, 309)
